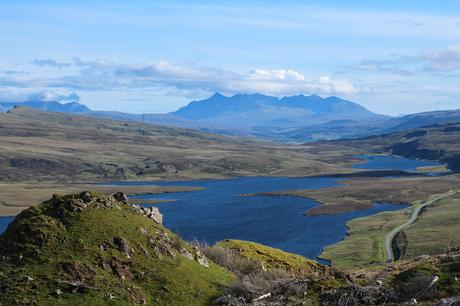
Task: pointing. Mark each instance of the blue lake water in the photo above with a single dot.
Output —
(391, 162)
(218, 211)
(4, 221)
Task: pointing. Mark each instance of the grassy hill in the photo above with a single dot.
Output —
(93, 249)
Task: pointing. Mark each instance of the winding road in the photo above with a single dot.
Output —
(413, 217)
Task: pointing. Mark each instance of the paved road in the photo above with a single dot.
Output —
(413, 217)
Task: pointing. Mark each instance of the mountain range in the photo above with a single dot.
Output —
(289, 119)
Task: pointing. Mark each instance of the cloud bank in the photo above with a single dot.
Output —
(38, 96)
(442, 61)
(186, 79)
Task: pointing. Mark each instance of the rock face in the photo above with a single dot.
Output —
(152, 213)
(122, 246)
(120, 196)
(454, 301)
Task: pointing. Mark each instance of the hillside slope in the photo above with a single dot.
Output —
(93, 249)
(439, 142)
(37, 145)
(293, 119)
(256, 115)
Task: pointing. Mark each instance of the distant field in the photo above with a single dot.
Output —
(37, 146)
(364, 244)
(437, 229)
(363, 192)
(439, 142)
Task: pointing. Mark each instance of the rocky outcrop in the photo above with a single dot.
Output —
(453, 301)
(152, 213)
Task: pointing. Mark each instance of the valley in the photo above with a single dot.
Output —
(319, 200)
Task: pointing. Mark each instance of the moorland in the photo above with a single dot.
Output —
(45, 153)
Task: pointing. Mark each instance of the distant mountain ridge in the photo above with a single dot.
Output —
(219, 104)
(251, 110)
(289, 119)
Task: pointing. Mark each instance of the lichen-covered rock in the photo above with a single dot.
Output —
(151, 212)
(155, 215)
(453, 301)
(184, 252)
(121, 196)
(122, 246)
(202, 260)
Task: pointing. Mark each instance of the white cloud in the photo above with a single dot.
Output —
(440, 61)
(49, 62)
(191, 79)
(13, 96)
(443, 60)
(276, 74)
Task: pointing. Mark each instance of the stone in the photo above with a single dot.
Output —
(186, 254)
(138, 296)
(123, 246)
(86, 196)
(104, 246)
(75, 205)
(121, 197)
(122, 270)
(453, 301)
(154, 214)
(202, 260)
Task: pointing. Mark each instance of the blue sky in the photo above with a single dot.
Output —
(393, 57)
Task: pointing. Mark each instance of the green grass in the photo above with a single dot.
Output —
(48, 242)
(436, 230)
(364, 243)
(433, 233)
(272, 259)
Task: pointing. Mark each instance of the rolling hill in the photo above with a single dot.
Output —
(294, 119)
(440, 142)
(242, 114)
(38, 145)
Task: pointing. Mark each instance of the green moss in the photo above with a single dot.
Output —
(55, 246)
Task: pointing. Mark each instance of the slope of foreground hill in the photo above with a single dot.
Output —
(95, 249)
(39, 145)
(90, 249)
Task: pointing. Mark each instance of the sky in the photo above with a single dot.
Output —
(393, 57)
